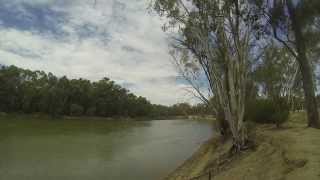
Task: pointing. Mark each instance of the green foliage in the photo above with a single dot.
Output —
(91, 111)
(76, 110)
(182, 108)
(38, 92)
(276, 71)
(268, 111)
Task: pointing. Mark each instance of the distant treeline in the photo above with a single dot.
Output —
(26, 91)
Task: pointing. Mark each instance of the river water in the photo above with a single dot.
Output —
(79, 150)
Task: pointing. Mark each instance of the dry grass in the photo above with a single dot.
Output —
(292, 153)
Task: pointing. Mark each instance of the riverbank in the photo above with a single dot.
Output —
(291, 152)
(4, 115)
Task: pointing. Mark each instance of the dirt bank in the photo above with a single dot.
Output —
(292, 153)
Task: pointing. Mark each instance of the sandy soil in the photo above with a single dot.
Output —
(292, 153)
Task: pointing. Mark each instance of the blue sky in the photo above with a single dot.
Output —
(118, 39)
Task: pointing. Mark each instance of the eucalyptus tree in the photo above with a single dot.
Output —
(277, 73)
(295, 24)
(216, 40)
(10, 89)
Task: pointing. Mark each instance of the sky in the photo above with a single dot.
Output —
(92, 39)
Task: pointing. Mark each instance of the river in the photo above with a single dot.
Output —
(96, 150)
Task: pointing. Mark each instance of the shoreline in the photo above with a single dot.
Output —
(117, 118)
(291, 152)
(194, 165)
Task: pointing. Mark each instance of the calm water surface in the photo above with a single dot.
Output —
(96, 150)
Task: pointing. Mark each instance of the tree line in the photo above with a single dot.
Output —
(27, 91)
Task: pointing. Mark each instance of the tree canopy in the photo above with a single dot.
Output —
(28, 91)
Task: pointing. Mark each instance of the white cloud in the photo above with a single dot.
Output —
(135, 50)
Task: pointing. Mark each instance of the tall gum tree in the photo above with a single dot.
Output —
(295, 24)
(215, 36)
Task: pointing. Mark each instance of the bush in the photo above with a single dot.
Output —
(76, 110)
(91, 111)
(268, 111)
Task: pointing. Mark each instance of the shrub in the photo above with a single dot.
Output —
(76, 110)
(91, 111)
(268, 111)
